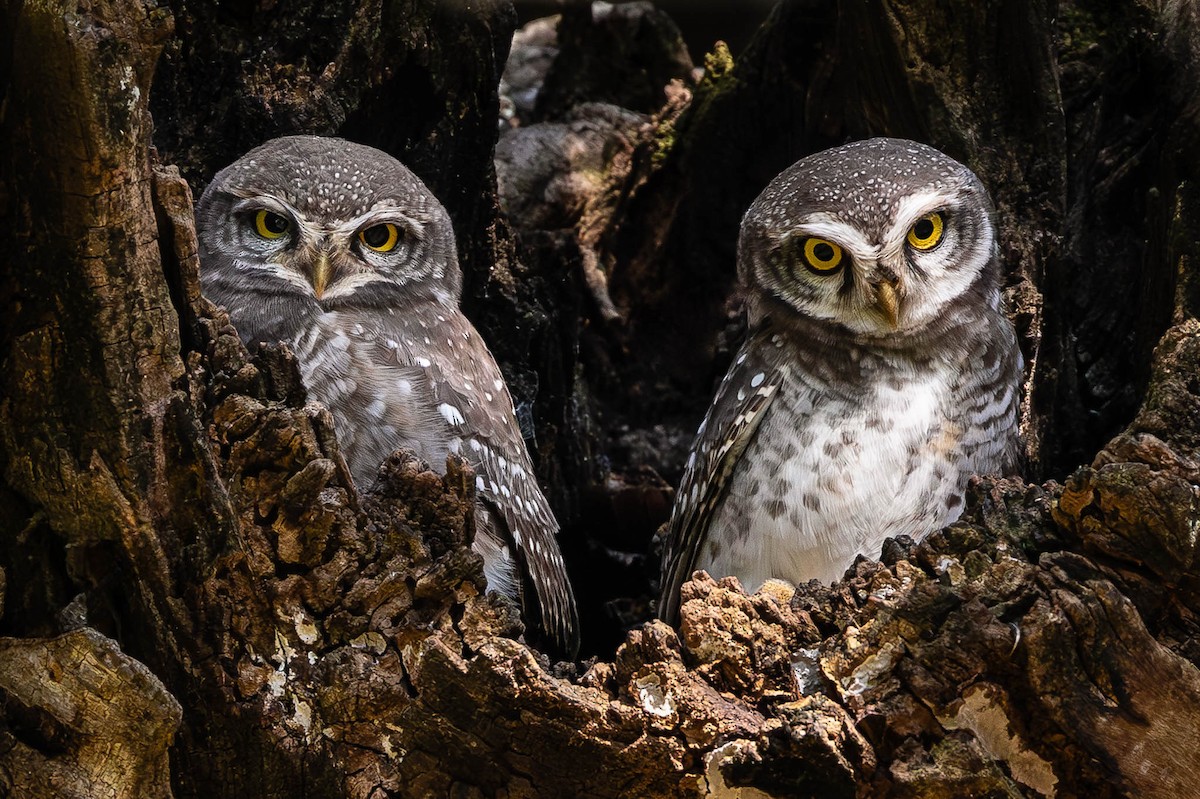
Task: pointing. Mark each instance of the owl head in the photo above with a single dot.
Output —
(327, 221)
(876, 238)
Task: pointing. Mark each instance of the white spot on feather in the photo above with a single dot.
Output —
(451, 414)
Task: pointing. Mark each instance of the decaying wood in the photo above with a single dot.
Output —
(183, 569)
(83, 719)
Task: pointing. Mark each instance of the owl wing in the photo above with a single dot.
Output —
(470, 395)
(730, 425)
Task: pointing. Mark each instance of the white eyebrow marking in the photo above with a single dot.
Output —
(411, 227)
(253, 200)
(827, 226)
(908, 210)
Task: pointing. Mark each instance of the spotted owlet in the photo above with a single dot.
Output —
(878, 374)
(342, 253)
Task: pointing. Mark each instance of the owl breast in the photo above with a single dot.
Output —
(379, 393)
(842, 465)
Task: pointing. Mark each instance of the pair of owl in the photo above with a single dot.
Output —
(878, 375)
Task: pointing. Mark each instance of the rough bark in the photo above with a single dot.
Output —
(83, 719)
(184, 574)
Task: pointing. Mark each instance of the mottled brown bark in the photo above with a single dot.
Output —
(184, 573)
(83, 719)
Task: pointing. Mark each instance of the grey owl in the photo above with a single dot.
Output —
(341, 252)
(878, 374)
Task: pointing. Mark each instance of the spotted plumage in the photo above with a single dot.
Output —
(879, 373)
(341, 252)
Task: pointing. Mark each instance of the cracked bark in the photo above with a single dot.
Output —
(194, 605)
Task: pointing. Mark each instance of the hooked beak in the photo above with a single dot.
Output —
(322, 271)
(888, 302)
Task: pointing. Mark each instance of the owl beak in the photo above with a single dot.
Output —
(887, 301)
(322, 271)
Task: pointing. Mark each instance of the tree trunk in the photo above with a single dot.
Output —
(195, 603)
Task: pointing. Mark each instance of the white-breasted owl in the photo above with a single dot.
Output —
(342, 253)
(878, 374)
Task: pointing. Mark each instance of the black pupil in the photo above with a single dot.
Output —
(376, 236)
(275, 223)
(823, 252)
(923, 229)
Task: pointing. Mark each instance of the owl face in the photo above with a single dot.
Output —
(875, 237)
(334, 222)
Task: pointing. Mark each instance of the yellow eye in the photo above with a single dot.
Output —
(380, 238)
(271, 225)
(822, 255)
(926, 232)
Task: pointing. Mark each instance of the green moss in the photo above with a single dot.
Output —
(717, 65)
(1078, 31)
(664, 141)
(717, 80)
